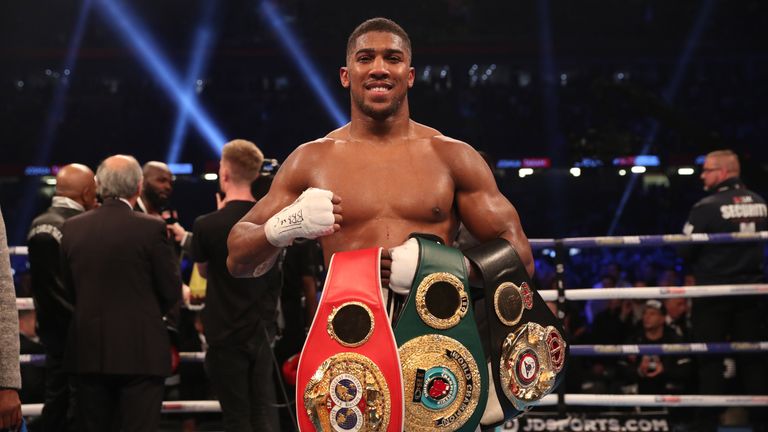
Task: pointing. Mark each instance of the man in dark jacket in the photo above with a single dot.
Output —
(730, 207)
(122, 273)
(75, 193)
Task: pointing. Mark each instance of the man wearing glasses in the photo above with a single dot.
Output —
(730, 207)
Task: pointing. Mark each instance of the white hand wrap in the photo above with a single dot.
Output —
(310, 216)
(405, 259)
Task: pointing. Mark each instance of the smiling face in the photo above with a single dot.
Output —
(378, 74)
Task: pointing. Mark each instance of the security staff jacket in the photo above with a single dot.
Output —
(730, 208)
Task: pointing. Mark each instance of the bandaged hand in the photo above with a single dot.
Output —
(310, 216)
(405, 259)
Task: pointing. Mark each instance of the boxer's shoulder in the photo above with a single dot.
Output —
(319, 144)
(310, 151)
(418, 130)
(454, 153)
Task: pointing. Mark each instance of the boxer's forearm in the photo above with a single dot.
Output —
(249, 250)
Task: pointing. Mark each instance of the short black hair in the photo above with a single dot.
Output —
(379, 24)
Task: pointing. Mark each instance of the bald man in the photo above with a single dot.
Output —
(157, 189)
(155, 198)
(75, 193)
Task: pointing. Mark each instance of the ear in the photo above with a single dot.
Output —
(344, 76)
(411, 76)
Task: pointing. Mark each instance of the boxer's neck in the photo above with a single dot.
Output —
(364, 127)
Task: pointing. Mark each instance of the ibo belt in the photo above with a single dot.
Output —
(348, 378)
(444, 374)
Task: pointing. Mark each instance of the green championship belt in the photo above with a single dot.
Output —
(444, 375)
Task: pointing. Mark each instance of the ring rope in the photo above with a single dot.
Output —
(576, 350)
(669, 349)
(195, 406)
(615, 400)
(27, 303)
(657, 292)
(622, 400)
(603, 241)
(649, 240)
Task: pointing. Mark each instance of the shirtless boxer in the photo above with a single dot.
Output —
(391, 175)
(382, 177)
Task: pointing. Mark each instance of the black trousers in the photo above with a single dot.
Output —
(737, 319)
(59, 409)
(243, 382)
(124, 403)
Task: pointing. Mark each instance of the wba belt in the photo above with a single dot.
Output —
(348, 377)
(527, 349)
(440, 351)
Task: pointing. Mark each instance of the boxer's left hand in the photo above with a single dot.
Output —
(405, 259)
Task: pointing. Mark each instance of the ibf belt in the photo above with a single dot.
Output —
(444, 378)
(348, 378)
(527, 349)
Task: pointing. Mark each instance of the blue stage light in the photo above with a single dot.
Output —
(56, 110)
(199, 59)
(669, 94)
(199, 56)
(55, 113)
(138, 39)
(308, 69)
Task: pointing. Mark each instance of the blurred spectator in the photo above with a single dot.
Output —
(677, 317)
(668, 278)
(610, 326)
(10, 377)
(120, 268)
(593, 308)
(655, 374)
(75, 193)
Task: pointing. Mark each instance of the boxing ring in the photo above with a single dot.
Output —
(561, 400)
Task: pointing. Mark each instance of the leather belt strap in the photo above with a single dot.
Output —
(349, 376)
(527, 350)
(444, 373)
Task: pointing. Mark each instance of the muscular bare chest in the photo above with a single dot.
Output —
(388, 193)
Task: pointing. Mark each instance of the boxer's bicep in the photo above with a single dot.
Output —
(485, 211)
(487, 214)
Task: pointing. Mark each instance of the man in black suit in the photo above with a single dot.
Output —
(75, 193)
(123, 275)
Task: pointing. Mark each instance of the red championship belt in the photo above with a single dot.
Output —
(349, 373)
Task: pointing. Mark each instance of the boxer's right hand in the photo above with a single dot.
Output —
(315, 213)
